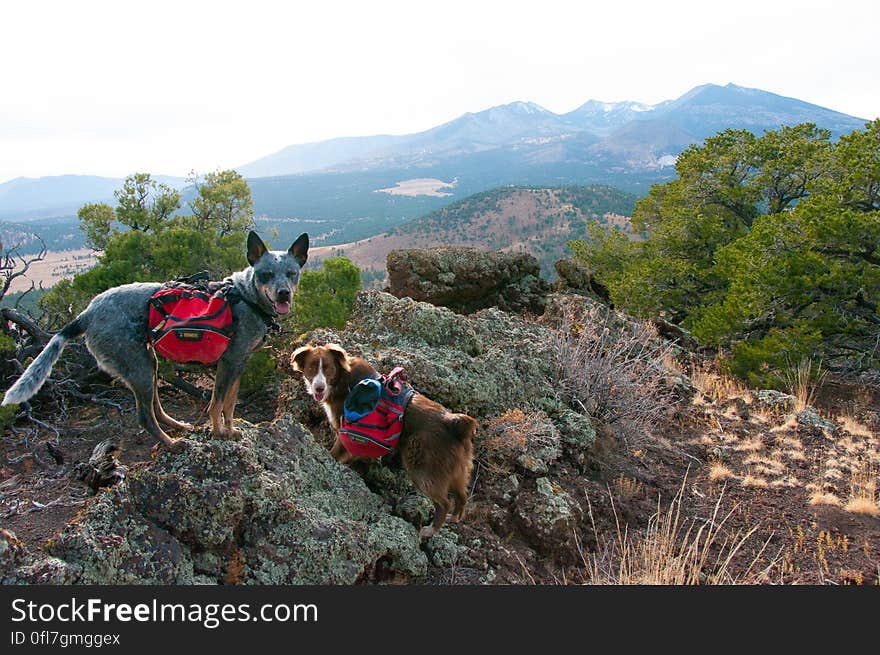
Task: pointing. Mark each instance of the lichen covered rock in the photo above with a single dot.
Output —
(481, 364)
(578, 277)
(548, 517)
(775, 401)
(809, 421)
(468, 279)
(272, 508)
(18, 566)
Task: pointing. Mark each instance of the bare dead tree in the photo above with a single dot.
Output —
(14, 265)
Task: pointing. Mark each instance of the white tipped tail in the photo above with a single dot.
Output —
(37, 373)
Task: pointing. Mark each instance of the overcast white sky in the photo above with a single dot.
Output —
(109, 88)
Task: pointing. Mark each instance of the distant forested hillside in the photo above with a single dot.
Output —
(538, 220)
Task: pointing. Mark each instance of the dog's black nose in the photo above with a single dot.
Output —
(283, 295)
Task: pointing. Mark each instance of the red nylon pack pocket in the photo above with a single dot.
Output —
(189, 325)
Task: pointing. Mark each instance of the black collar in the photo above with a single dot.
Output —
(234, 295)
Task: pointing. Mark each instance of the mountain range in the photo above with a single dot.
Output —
(346, 189)
(632, 133)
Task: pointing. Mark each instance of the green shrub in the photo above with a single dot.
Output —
(767, 248)
(259, 372)
(325, 298)
(7, 413)
(7, 344)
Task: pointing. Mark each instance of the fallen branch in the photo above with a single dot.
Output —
(26, 323)
(186, 387)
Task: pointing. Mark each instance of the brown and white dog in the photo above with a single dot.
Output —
(436, 446)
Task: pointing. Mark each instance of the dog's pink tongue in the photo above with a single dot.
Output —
(282, 307)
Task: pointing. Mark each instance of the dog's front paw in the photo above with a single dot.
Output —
(227, 434)
(172, 446)
(178, 445)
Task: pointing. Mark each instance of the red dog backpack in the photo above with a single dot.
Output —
(372, 415)
(188, 324)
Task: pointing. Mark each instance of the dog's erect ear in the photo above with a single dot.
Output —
(298, 358)
(255, 248)
(339, 353)
(300, 249)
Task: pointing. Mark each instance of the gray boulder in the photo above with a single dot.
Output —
(468, 279)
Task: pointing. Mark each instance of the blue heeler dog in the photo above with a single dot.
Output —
(116, 333)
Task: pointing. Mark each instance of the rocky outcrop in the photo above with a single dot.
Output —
(576, 276)
(271, 508)
(468, 279)
(482, 364)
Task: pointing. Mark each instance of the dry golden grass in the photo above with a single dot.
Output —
(731, 413)
(832, 474)
(717, 386)
(760, 416)
(718, 471)
(824, 498)
(670, 363)
(752, 445)
(792, 443)
(789, 481)
(789, 425)
(504, 439)
(767, 462)
(697, 400)
(795, 455)
(850, 446)
(803, 381)
(862, 506)
(863, 493)
(508, 436)
(754, 481)
(674, 550)
(854, 427)
(56, 266)
(627, 488)
(832, 462)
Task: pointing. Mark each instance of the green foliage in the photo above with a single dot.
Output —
(259, 372)
(324, 298)
(761, 361)
(7, 344)
(606, 249)
(7, 413)
(159, 246)
(145, 204)
(223, 202)
(7, 349)
(767, 248)
(96, 220)
(149, 257)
